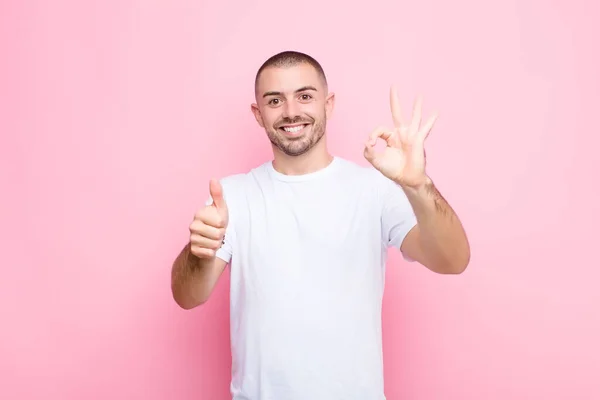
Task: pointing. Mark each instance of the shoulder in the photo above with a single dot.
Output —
(233, 181)
(376, 189)
(235, 185)
(352, 168)
(365, 176)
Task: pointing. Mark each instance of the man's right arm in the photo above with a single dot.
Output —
(193, 279)
(197, 268)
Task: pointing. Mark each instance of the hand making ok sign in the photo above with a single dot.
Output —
(403, 159)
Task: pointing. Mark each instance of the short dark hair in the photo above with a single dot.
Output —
(290, 58)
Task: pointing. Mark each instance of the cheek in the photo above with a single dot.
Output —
(316, 111)
(270, 118)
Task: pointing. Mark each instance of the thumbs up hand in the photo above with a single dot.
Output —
(207, 230)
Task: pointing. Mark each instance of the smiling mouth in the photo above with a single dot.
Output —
(293, 129)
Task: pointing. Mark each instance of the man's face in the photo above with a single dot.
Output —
(292, 105)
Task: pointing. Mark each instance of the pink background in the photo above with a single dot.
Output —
(114, 115)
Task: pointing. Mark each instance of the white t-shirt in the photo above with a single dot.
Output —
(307, 259)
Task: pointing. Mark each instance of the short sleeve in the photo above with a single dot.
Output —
(397, 215)
(225, 252)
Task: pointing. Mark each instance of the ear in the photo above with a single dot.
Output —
(329, 104)
(256, 112)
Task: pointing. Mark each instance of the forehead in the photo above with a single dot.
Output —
(288, 79)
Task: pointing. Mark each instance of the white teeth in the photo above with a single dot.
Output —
(293, 129)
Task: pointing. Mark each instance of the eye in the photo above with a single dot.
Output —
(274, 102)
(305, 97)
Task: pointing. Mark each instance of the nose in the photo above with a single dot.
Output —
(291, 110)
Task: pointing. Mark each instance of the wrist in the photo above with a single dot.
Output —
(420, 188)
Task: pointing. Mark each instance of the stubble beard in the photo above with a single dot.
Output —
(297, 147)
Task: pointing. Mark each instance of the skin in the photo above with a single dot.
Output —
(196, 270)
(438, 241)
(289, 97)
(298, 96)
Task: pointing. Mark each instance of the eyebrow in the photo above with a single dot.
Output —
(302, 89)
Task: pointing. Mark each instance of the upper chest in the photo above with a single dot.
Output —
(310, 213)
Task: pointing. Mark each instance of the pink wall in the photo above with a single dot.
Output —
(114, 115)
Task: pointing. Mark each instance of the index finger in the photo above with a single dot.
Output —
(380, 132)
(395, 107)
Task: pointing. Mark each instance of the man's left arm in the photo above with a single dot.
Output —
(438, 241)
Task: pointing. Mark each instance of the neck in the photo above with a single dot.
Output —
(313, 160)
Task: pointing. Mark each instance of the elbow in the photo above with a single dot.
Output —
(450, 268)
(187, 302)
(456, 269)
(456, 266)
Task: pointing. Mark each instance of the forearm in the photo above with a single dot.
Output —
(192, 278)
(442, 238)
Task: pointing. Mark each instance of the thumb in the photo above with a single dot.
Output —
(216, 192)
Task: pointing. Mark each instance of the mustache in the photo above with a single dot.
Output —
(297, 120)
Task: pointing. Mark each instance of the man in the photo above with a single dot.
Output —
(306, 236)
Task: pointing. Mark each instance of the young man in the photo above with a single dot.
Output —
(306, 236)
